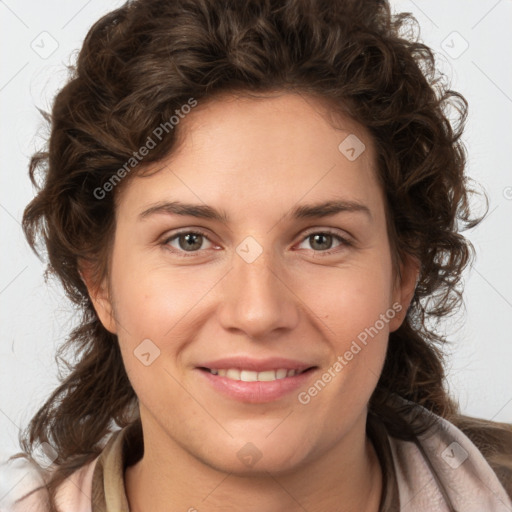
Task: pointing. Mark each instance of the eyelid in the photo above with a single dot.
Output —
(187, 231)
(183, 231)
(345, 240)
(328, 231)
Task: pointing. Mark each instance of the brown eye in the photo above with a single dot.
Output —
(190, 241)
(187, 241)
(323, 241)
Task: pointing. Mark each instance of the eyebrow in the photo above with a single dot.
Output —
(327, 209)
(311, 211)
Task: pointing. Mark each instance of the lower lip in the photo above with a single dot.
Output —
(256, 392)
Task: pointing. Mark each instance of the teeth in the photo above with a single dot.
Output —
(267, 375)
(248, 376)
(252, 376)
(233, 374)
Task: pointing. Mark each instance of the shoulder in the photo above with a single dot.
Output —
(74, 494)
(22, 487)
(26, 491)
(494, 441)
(24, 484)
(469, 458)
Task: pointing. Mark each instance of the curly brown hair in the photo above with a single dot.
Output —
(142, 62)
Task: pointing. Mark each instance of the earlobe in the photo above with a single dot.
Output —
(404, 290)
(100, 297)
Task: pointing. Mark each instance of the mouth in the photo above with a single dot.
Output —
(254, 381)
(244, 375)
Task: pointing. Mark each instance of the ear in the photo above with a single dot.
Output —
(100, 297)
(403, 293)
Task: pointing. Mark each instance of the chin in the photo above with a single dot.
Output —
(253, 458)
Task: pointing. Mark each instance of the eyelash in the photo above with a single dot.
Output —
(343, 242)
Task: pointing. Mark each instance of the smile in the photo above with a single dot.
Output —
(253, 376)
(260, 384)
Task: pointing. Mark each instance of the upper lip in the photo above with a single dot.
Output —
(257, 365)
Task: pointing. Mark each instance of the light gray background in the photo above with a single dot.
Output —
(35, 318)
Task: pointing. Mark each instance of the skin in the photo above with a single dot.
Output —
(255, 159)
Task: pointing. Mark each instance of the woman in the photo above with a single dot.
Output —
(257, 207)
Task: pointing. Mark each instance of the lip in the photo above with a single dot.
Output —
(260, 391)
(255, 365)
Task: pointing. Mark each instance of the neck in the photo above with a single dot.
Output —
(347, 478)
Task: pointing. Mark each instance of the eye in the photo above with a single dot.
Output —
(193, 242)
(322, 241)
(187, 241)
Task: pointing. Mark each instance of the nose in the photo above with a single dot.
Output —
(257, 299)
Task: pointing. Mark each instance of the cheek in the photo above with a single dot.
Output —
(156, 310)
(355, 311)
(350, 300)
(354, 306)
(150, 300)
(148, 305)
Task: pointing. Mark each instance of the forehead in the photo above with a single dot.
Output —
(270, 150)
(287, 123)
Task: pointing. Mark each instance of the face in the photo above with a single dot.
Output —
(251, 285)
